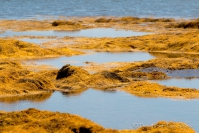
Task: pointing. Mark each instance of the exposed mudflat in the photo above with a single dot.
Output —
(173, 42)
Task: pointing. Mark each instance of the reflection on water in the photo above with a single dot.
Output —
(9, 9)
(99, 57)
(185, 73)
(35, 40)
(96, 32)
(117, 110)
(180, 82)
(33, 98)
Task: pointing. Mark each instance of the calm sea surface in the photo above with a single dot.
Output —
(45, 9)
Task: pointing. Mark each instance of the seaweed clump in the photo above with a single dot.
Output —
(10, 48)
(72, 79)
(65, 22)
(190, 24)
(33, 120)
(147, 89)
(16, 80)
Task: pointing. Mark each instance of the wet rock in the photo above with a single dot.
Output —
(156, 20)
(57, 23)
(72, 79)
(191, 24)
(114, 76)
(68, 70)
(128, 19)
(103, 20)
(170, 89)
(65, 71)
(147, 65)
(82, 130)
(156, 75)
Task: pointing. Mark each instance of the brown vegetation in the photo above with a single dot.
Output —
(23, 25)
(164, 63)
(107, 79)
(147, 89)
(171, 40)
(166, 127)
(80, 23)
(173, 55)
(167, 42)
(194, 24)
(72, 79)
(105, 20)
(132, 19)
(16, 80)
(18, 49)
(33, 120)
(57, 23)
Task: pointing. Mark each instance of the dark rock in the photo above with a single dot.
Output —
(103, 20)
(55, 23)
(69, 23)
(82, 130)
(114, 75)
(65, 72)
(68, 70)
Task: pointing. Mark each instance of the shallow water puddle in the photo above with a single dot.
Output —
(117, 110)
(187, 78)
(98, 57)
(35, 40)
(180, 82)
(96, 32)
(184, 73)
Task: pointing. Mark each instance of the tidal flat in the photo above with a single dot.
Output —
(151, 49)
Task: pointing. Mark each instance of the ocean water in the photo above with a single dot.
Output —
(45, 9)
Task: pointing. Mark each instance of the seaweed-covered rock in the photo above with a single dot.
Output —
(103, 20)
(194, 24)
(57, 23)
(69, 70)
(114, 76)
(65, 71)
